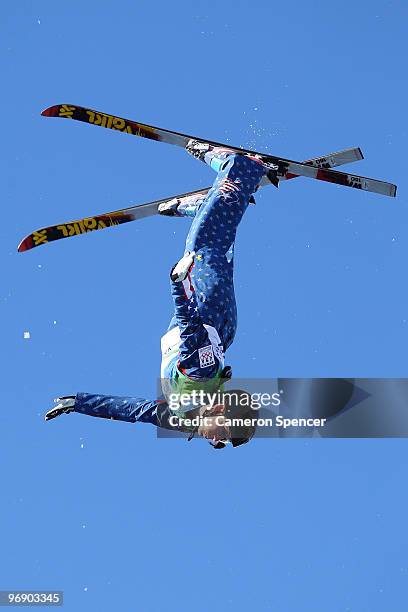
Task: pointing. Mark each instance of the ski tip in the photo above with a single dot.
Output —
(25, 245)
(51, 111)
(360, 153)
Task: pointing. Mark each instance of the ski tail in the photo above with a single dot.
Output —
(331, 160)
(342, 178)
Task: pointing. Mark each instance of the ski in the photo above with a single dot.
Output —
(98, 222)
(332, 160)
(281, 167)
(133, 213)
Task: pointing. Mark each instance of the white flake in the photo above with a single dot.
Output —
(27, 335)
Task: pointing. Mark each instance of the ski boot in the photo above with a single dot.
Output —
(197, 149)
(186, 206)
(182, 268)
(215, 157)
(65, 405)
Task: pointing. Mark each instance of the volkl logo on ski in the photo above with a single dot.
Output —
(109, 121)
(81, 227)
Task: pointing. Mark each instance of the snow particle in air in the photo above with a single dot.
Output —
(26, 335)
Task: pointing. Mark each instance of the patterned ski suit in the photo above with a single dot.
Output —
(205, 318)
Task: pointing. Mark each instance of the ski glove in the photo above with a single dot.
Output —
(64, 405)
(179, 272)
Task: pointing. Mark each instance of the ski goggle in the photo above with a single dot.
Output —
(218, 444)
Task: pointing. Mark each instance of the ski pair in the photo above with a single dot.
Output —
(133, 213)
(281, 166)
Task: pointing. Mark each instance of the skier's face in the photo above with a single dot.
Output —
(213, 427)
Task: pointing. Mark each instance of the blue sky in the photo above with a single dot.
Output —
(103, 510)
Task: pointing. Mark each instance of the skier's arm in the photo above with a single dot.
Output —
(130, 409)
(193, 334)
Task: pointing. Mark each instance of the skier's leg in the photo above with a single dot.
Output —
(217, 219)
(215, 224)
(211, 236)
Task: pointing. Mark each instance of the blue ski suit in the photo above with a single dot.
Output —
(205, 317)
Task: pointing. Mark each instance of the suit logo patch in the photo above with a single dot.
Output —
(206, 355)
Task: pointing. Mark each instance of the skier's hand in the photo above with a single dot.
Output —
(179, 272)
(64, 405)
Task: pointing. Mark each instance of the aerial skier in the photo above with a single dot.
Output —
(204, 322)
(205, 317)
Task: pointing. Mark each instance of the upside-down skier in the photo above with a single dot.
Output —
(205, 318)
